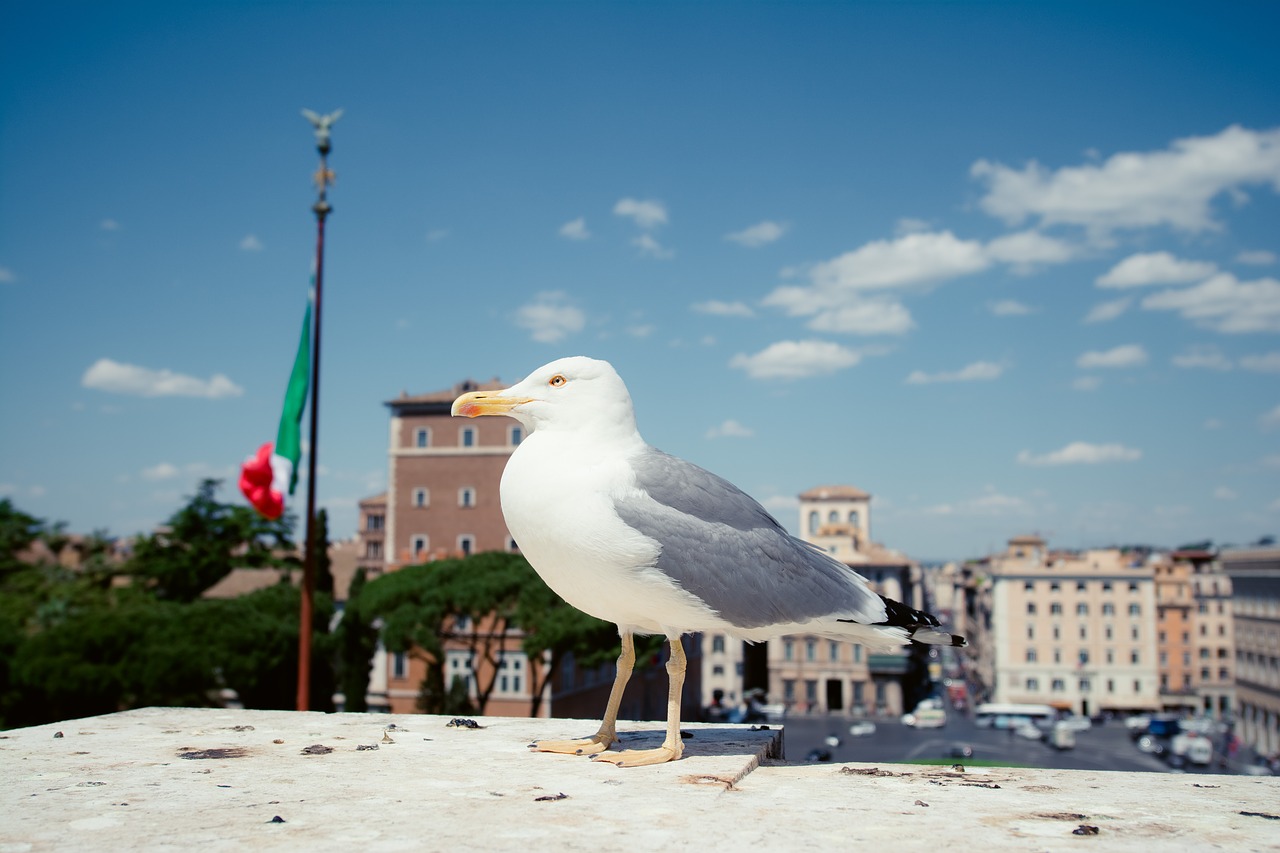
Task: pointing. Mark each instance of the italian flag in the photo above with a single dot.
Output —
(271, 473)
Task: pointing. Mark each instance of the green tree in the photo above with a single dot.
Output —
(202, 542)
(324, 565)
(420, 607)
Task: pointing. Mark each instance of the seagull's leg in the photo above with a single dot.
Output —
(673, 747)
(608, 733)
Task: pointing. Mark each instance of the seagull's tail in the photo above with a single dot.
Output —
(916, 625)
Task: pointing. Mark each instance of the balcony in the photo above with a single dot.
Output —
(888, 664)
(215, 779)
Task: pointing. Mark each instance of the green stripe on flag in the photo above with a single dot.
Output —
(289, 437)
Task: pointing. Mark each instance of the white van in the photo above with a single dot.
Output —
(1062, 736)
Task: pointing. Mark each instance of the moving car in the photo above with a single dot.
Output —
(959, 750)
(862, 728)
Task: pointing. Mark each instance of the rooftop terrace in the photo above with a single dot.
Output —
(213, 779)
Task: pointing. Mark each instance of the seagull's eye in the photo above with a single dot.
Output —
(557, 380)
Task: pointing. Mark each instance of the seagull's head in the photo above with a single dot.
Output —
(573, 393)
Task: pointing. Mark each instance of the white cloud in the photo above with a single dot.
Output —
(118, 378)
(109, 225)
(723, 309)
(652, 248)
(1010, 308)
(1081, 453)
(990, 503)
(550, 317)
(7, 276)
(1027, 248)
(1087, 383)
(163, 471)
(730, 429)
(641, 330)
(865, 317)
(1129, 355)
(979, 370)
(1105, 312)
(1222, 493)
(836, 296)
(1147, 268)
(575, 229)
(251, 243)
(757, 235)
(1257, 257)
(646, 214)
(1173, 186)
(1267, 363)
(1209, 357)
(1271, 419)
(796, 360)
(1224, 304)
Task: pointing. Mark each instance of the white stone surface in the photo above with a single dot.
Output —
(138, 781)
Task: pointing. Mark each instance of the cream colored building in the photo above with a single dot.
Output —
(1073, 630)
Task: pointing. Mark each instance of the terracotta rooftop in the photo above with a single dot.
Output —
(834, 493)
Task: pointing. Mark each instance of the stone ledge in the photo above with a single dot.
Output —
(173, 778)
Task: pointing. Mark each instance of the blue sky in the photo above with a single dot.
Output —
(1008, 267)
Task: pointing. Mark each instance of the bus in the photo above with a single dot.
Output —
(1011, 715)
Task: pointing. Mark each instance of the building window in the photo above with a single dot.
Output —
(423, 437)
(510, 674)
(1057, 632)
(512, 547)
(1108, 609)
(1057, 655)
(373, 523)
(1082, 609)
(1084, 685)
(466, 544)
(788, 650)
(466, 497)
(458, 667)
(1224, 674)
(717, 670)
(853, 517)
(810, 650)
(1084, 633)
(1029, 586)
(813, 521)
(1080, 586)
(1031, 608)
(833, 651)
(857, 692)
(373, 550)
(1058, 685)
(1055, 609)
(1134, 657)
(1033, 685)
(467, 437)
(1084, 657)
(1111, 685)
(1054, 587)
(418, 546)
(1133, 587)
(516, 436)
(717, 643)
(857, 652)
(1106, 586)
(789, 690)
(1031, 655)
(1135, 609)
(421, 499)
(399, 665)
(1111, 656)
(1031, 632)
(811, 691)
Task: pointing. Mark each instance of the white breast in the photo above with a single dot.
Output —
(558, 498)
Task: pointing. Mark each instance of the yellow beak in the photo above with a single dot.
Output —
(477, 403)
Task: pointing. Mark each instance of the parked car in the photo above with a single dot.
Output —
(1076, 723)
(862, 728)
(1062, 737)
(832, 740)
(1137, 724)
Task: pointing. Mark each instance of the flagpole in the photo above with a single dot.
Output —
(321, 208)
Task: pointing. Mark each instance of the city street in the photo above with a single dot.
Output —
(1103, 747)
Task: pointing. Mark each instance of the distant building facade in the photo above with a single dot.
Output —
(1073, 630)
(1255, 583)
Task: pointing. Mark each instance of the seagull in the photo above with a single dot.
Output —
(658, 545)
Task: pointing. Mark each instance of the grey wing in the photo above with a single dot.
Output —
(725, 548)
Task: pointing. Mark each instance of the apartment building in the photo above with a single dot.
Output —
(1073, 630)
(1213, 632)
(1255, 581)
